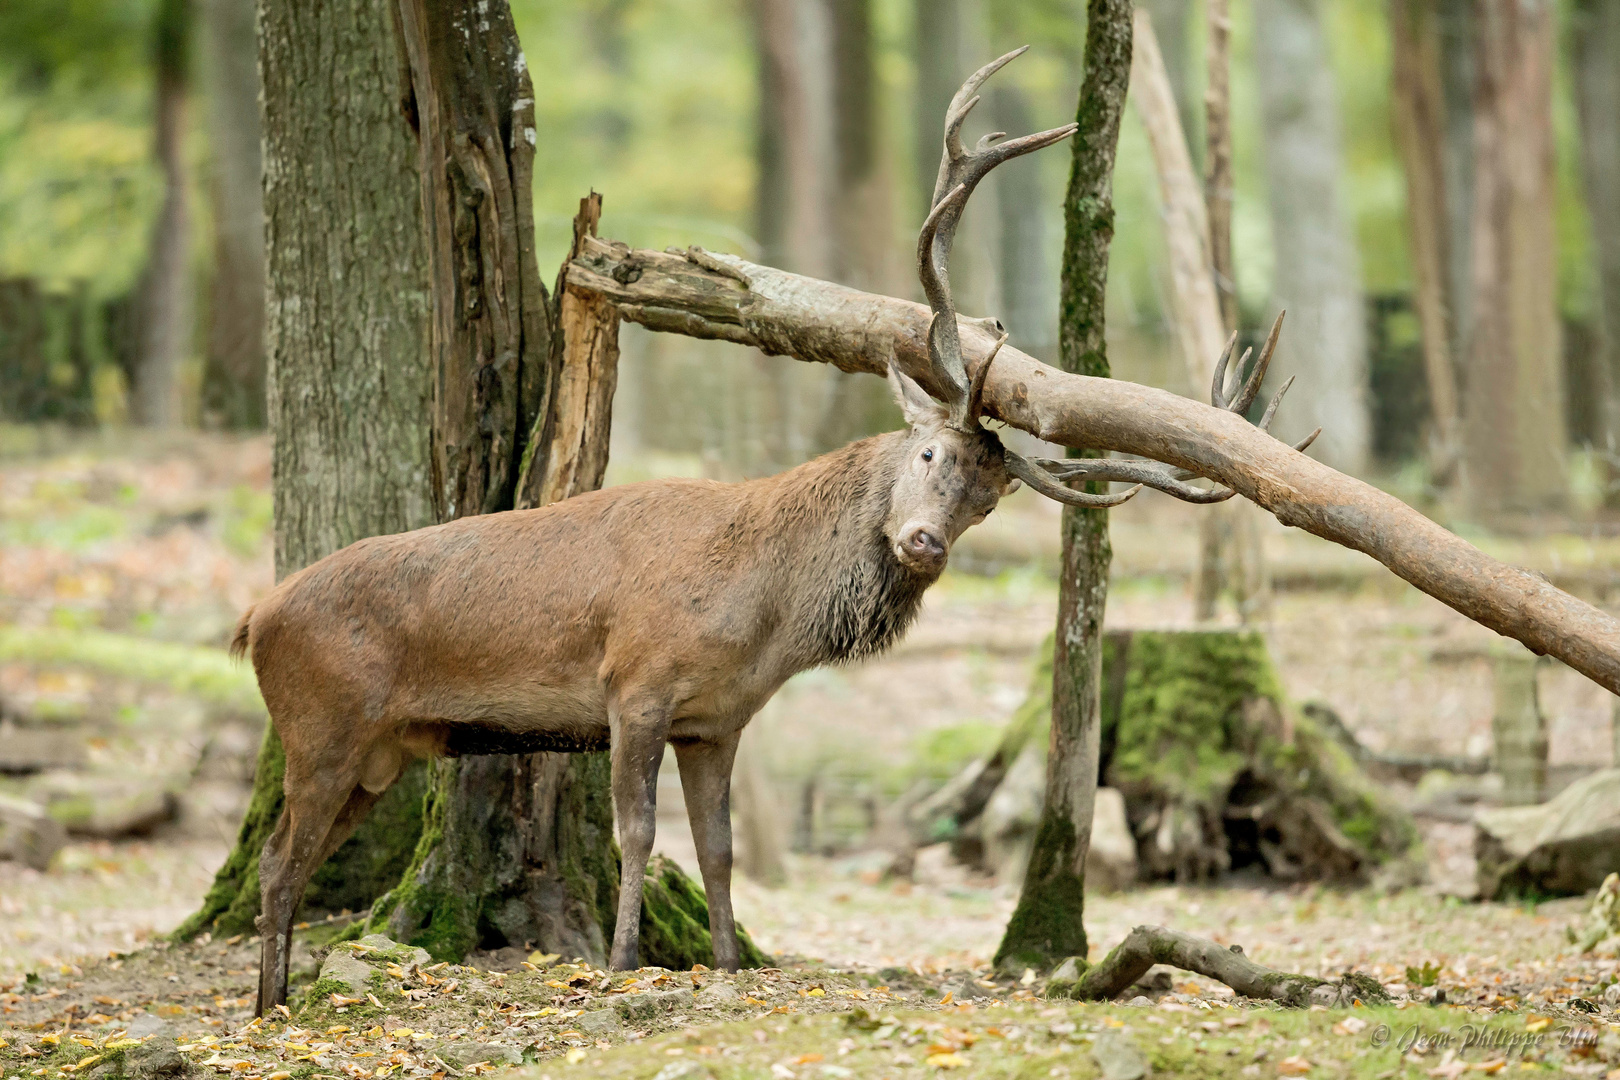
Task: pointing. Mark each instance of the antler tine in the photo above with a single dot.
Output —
(1217, 389)
(1152, 474)
(975, 398)
(1276, 399)
(1042, 481)
(1257, 375)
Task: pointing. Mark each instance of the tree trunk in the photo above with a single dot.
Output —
(1513, 415)
(1171, 21)
(1317, 277)
(937, 58)
(1595, 34)
(233, 390)
(164, 294)
(517, 847)
(860, 208)
(347, 310)
(1047, 925)
(1420, 113)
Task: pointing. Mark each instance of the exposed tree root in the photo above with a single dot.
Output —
(1149, 945)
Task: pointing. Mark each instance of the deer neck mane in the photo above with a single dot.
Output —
(850, 596)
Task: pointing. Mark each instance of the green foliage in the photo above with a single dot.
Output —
(1427, 975)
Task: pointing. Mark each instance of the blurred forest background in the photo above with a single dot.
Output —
(1379, 147)
(1431, 188)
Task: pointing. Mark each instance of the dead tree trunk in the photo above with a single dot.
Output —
(347, 344)
(233, 366)
(1513, 410)
(1596, 39)
(163, 294)
(824, 323)
(1317, 278)
(1047, 925)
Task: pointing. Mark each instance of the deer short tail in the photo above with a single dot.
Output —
(239, 639)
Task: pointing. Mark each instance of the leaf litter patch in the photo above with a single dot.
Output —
(374, 1010)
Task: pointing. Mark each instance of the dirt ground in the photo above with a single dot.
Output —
(166, 540)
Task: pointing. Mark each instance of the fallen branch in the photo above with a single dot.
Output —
(727, 298)
(1149, 945)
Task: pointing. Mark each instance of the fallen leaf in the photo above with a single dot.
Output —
(574, 1056)
(946, 1000)
(807, 1059)
(1294, 1066)
(950, 1060)
(1350, 1025)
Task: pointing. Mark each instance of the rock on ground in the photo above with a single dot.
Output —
(28, 834)
(1561, 848)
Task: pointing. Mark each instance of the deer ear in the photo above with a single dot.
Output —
(915, 404)
(1013, 485)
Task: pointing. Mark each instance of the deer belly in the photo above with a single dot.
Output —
(526, 719)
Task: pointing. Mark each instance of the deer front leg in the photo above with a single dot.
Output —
(639, 732)
(706, 783)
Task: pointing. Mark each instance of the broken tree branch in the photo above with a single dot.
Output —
(784, 314)
(1149, 945)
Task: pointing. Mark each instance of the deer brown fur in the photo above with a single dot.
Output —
(652, 613)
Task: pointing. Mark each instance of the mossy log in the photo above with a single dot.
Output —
(1149, 945)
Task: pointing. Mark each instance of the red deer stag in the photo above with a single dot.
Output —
(628, 618)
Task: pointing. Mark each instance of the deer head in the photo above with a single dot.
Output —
(954, 470)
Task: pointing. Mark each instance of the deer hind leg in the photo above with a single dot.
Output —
(291, 856)
(639, 732)
(706, 783)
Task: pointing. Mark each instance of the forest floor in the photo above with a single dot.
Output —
(123, 564)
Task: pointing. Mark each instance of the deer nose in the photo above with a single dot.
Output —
(923, 546)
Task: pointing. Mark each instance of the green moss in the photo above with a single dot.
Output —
(675, 922)
(232, 902)
(207, 674)
(1048, 923)
(372, 860)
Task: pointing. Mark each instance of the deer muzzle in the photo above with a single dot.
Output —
(921, 547)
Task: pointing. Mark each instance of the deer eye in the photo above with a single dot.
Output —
(928, 454)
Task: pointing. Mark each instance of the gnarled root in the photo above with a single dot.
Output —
(1149, 945)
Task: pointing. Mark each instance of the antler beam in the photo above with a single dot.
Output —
(787, 315)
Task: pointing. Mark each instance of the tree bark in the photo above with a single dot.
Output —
(1420, 115)
(1595, 35)
(1317, 277)
(1028, 296)
(233, 388)
(784, 314)
(1513, 414)
(516, 847)
(163, 291)
(1047, 924)
(347, 310)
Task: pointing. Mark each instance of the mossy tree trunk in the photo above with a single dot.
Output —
(518, 847)
(348, 376)
(1046, 927)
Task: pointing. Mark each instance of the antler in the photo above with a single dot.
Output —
(960, 171)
